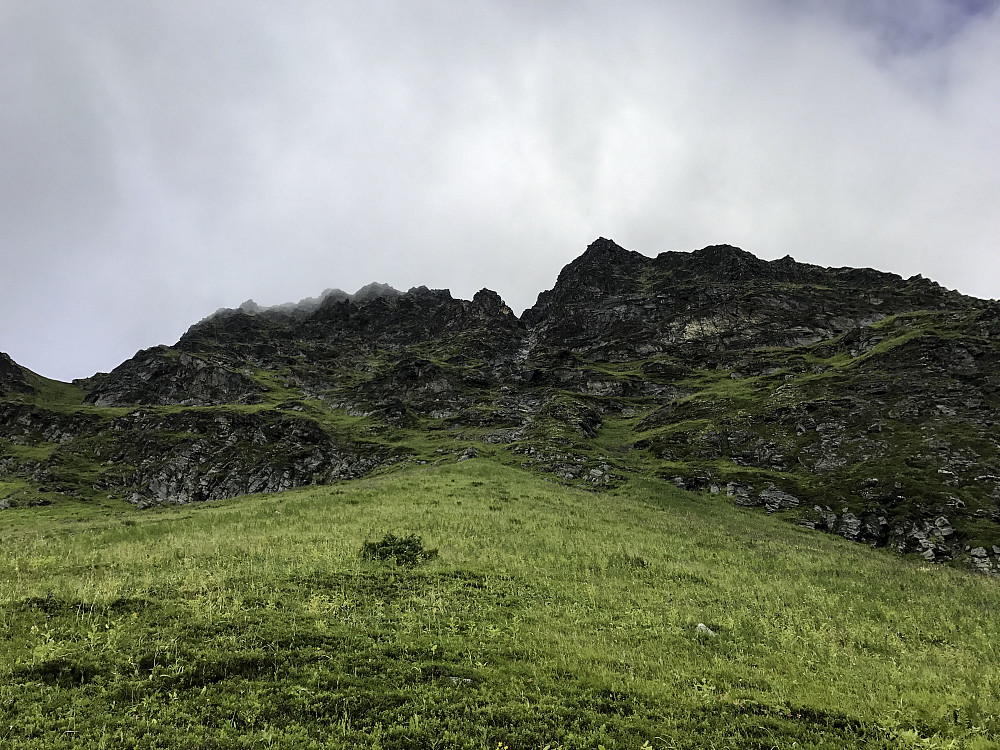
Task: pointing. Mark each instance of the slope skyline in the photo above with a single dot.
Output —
(374, 289)
(167, 161)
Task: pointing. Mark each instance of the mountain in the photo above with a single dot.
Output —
(848, 400)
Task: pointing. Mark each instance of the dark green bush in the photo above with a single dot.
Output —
(623, 560)
(408, 550)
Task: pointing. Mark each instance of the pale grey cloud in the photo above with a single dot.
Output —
(163, 159)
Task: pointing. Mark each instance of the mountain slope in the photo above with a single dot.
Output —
(549, 617)
(848, 400)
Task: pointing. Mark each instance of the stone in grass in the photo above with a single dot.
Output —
(703, 630)
(467, 454)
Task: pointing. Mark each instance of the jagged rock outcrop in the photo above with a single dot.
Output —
(196, 456)
(618, 305)
(166, 377)
(420, 315)
(304, 307)
(149, 456)
(29, 424)
(12, 377)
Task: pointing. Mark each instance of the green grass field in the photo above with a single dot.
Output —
(550, 618)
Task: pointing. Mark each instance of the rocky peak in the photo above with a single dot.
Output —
(602, 263)
(603, 250)
(12, 378)
(232, 328)
(727, 263)
(373, 291)
(725, 255)
(308, 305)
(490, 304)
(420, 314)
(423, 293)
(718, 264)
(625, 305)
(604, 270)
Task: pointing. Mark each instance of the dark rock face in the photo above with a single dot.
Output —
(848, 400)
(420, 315)
(27, 424)
(12, 378)
(195, 456)
(619, 306)
(164, 377)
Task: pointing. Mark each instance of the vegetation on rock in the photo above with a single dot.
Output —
(848, 400)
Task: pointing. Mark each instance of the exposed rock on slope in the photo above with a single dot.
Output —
(176, 458)
(12, 377)
(617, 305)
(166, 377)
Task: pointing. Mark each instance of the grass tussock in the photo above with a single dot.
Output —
(549, 617)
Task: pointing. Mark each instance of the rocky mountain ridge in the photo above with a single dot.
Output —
(308, 305)
(849, 400)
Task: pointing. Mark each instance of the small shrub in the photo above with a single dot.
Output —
(408, 550)
(624, 561)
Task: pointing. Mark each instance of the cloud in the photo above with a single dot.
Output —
(902, 27)
(173, 158)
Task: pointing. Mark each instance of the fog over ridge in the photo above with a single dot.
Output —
(311, 304)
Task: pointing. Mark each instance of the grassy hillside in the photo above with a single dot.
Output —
(550, 617)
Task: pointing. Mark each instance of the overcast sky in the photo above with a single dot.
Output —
(160, 159)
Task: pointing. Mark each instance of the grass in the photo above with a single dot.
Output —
(36, 452)
(550, 617)
(53, 393)
(8, 486)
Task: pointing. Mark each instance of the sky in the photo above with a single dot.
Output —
(165, 158)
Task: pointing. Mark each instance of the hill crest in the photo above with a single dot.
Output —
(850, 400)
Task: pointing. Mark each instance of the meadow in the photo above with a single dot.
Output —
(550, 617)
